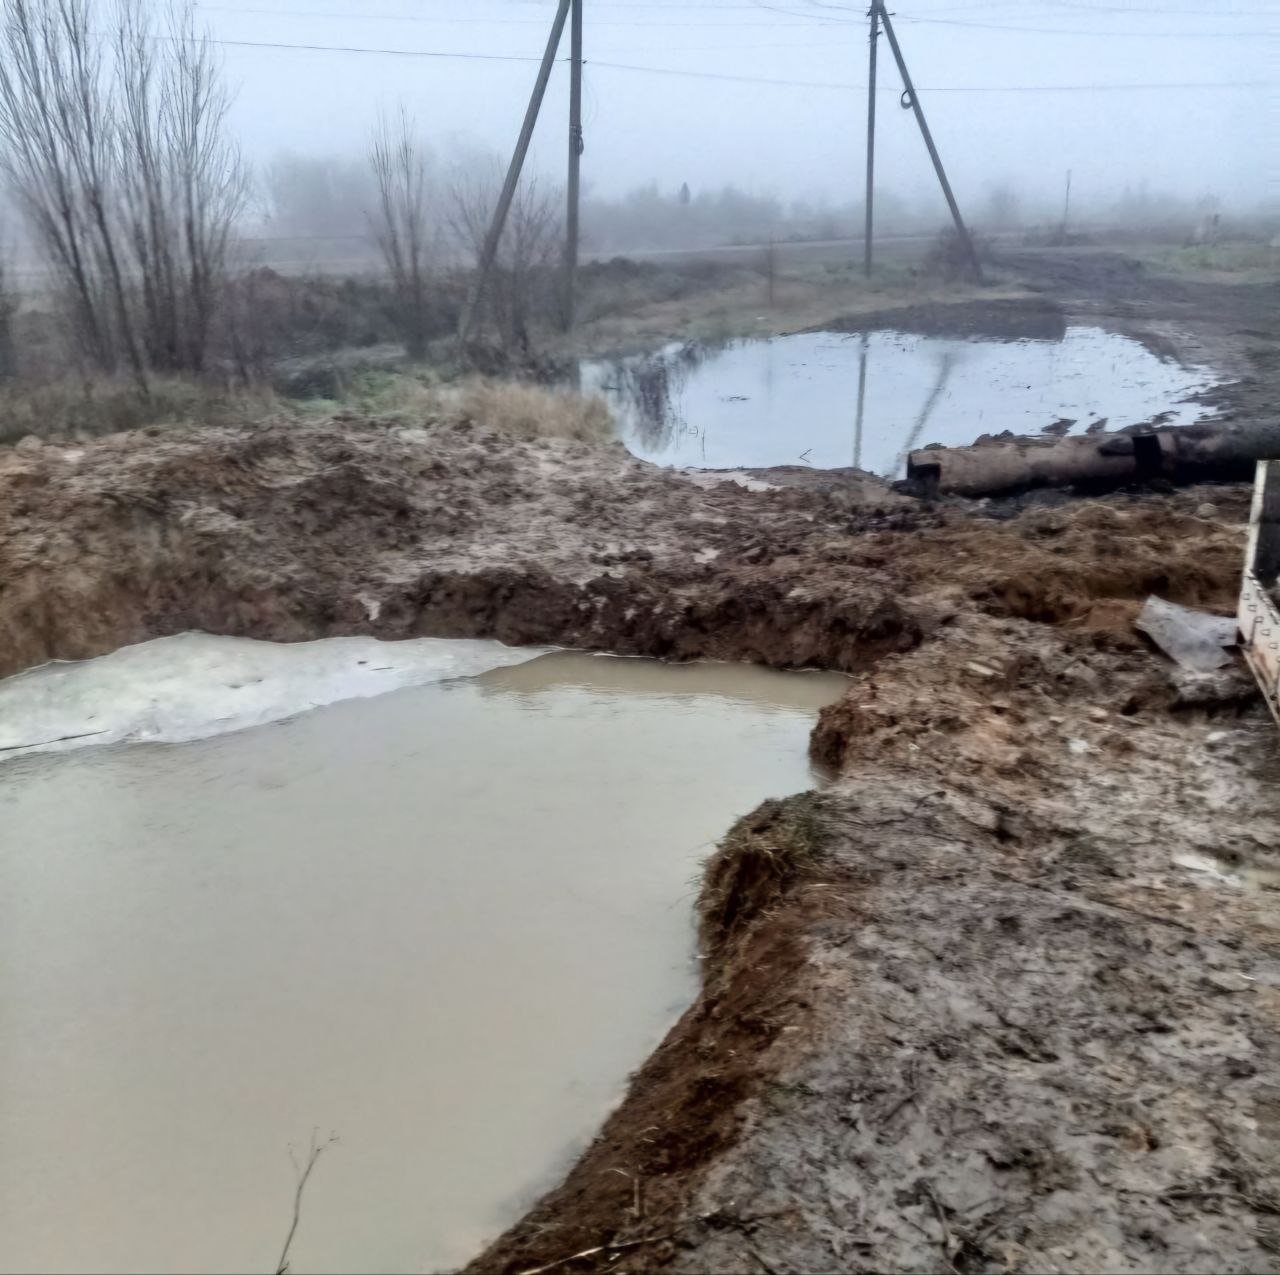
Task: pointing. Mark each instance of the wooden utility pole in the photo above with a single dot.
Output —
(490, 250)
(1066, 203)
(575, 159)
(911, 99)
(871, 141)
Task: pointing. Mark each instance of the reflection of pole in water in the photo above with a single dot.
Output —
(862, 399)
(945, 364)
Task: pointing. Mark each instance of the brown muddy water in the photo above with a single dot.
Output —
(442, 924)
(832, 399)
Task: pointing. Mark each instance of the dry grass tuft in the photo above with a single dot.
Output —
(534, 411)
(762, 857)
(72, 409)
(518, 408)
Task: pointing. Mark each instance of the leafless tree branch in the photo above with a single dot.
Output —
(400, 225)
(315, 1151)
(113, 144)
(522, 284)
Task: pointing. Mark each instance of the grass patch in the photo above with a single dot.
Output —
(73, 410)
(1222, 258)
(519, 408)
(534, 411)
(86, 409)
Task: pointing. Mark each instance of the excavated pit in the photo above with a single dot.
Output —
(450, 918)
(966, 1009)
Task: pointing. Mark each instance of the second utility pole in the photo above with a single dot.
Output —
(871, 141)
(910, 99)
(575, 159)
(490, 250)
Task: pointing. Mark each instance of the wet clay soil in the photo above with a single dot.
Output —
(963, 1011)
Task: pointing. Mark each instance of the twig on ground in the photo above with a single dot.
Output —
(1075, 899)
(912, 1093)
(942, 1222)
(1259, 1204)
(620, 1247)
(314, 1153)
(909, 1096)
(715, 1217)
(40, 743)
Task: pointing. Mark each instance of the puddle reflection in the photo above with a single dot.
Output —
(866, 399)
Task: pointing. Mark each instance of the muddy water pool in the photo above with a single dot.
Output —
(442, 924)
(830, 399)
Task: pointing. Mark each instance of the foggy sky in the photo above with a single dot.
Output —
(796, 141)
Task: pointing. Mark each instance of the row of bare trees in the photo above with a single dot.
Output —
(113, 146)
(421, 226)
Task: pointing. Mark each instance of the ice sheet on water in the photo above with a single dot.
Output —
(195, 684)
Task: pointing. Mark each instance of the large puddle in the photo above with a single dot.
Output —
(443, 924)
(830, 400)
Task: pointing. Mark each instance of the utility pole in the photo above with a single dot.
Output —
(910, 98)
(490, 250)
(1066, 203)
(871, 139)
(575, 159)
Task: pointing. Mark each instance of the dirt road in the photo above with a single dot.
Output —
(1004, 997)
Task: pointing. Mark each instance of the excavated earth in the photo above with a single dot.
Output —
(1005, 996)
(967, 1009)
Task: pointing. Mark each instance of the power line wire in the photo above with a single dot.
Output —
(855, 19)
(1107, 33)
(1163, 11)
(350, 48)
(353, 16)
(808, 17)
(1212, 14)
(1097, 33)
(713, 75)
(936, 88)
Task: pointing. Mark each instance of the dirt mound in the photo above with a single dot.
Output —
(1002, 319)
(292, 531)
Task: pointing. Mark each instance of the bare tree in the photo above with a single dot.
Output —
(522, 285)
(51, 101)
(8, 308)
(182, 182)
(399, 165)
(121, 167)
(302, 1172)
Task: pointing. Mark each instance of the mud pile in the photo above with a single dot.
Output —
(290, 532)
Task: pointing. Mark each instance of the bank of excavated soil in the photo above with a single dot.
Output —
(978, 1006)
